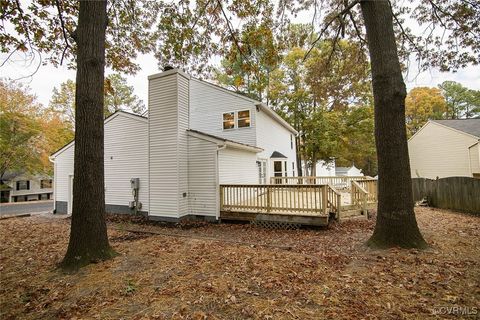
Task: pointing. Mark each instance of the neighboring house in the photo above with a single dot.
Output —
(446, 148)
(24, 187)
(197, 136)
(325, 168)
(322, 169)
(348, 171)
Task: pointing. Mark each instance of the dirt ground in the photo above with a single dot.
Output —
(241, 271)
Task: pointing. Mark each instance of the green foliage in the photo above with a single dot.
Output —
(28, 133)
(461, 101)
(247, 68)
(118, 96)
(327, 98)
(421, 105)
(36, 27)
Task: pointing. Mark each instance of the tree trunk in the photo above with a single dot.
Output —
(88, 234)
(396, 224)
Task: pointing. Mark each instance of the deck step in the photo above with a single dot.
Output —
(352, 214)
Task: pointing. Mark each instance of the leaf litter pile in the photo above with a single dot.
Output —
(231, 271)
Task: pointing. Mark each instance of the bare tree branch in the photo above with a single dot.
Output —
(327, 25)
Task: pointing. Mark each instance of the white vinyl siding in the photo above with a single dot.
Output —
(125, 157)
(475, 158)
(183, 110)
(207, 106)
(202, 177)
(237, 167)
(438, 151)
(272, 136)
(63, 169)
(168, 145)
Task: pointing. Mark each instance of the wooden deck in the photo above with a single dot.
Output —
(307, 204)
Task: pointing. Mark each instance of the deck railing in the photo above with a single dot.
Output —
(370, 186)
(306, 199)
(334, 199)
(338, 182)
(359, 196)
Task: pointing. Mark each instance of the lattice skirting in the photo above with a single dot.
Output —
(279, 225)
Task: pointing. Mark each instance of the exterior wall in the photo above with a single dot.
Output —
(437, 151)
(237, 167)
(325, 169)
(168, 146)
(475, 159)
(207, 105)
(63, 169)
(34, 190)
(202, 177)
(126, 157)
(272, 136)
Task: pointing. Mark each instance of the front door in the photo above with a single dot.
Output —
(279, 168)
(262, 171)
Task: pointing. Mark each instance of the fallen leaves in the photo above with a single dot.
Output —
(208, 271)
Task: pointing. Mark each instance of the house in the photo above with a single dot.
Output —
(196, 136)
(351, 171)
(23, 187)
(446, 148)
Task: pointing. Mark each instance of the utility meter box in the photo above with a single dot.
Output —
(135, 183)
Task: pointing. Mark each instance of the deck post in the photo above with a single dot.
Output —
(221, 198)
(325, 199)
(339, 205)
(269, 200)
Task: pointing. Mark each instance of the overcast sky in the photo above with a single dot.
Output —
(48, 77)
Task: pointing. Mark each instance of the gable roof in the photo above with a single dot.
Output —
(277, 154)
(470, 126)
(107, 119)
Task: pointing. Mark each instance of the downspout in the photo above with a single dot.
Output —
(217, 182)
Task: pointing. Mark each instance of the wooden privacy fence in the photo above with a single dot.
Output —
(306, 199)
(335, 181)
(458, 193)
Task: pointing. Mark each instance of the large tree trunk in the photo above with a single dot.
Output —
(88, 235)
(396, 224)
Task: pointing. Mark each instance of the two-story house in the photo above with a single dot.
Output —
(197, 136)
(24, 187)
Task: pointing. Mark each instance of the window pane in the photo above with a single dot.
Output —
(228, 120)
(242, 123)
(243, 118)
(277, 166)
(228, 116)
(244, 114)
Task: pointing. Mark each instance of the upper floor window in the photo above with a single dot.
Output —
(45, 184)
(23, 185)
(291, 141)
(243, 119)
(237, 119)
(229, 120)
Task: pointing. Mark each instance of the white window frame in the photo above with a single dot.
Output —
(223, 120)
(235, 119)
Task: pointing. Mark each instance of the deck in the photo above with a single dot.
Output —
(301, 203)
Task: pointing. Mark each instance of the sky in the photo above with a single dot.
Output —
(47, 77)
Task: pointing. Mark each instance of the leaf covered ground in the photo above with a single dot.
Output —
(206, 271)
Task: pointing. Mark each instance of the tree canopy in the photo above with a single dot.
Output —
(29, 133)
